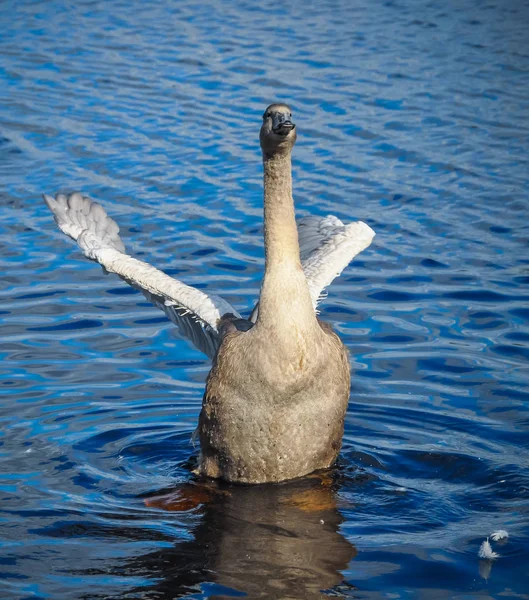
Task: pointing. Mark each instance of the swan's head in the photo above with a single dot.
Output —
(278, 132)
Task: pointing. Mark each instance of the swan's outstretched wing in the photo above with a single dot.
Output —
(195, 313)
(314, 231)
(327, 246)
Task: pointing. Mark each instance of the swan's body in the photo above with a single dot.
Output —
(277, 393)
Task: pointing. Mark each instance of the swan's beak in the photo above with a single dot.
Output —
(281, 124)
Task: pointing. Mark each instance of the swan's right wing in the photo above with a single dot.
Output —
(196, 314)
(327, 246)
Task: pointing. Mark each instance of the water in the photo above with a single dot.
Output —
(412, 116)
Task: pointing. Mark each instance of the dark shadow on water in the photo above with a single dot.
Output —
(270, 541)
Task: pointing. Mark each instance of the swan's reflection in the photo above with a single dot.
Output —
(271, 541)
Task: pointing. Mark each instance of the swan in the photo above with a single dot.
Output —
(278, 389)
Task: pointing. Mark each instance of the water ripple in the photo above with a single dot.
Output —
(411, 117)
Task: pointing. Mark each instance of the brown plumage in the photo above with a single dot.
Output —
(277, 394)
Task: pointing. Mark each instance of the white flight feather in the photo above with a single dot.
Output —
(96, 234)
(327, 246)
(486, 552)
(499, 535)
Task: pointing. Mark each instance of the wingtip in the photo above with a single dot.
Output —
(370, 231)
(361, 230)
(50, 201)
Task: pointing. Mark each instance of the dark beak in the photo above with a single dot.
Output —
(281, 124)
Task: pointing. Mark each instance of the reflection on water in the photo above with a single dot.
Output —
(412, 116)
(278, 541)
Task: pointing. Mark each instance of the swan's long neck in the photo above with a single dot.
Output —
(280, 232)
(285, 301)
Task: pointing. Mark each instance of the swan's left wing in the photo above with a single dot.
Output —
(197, 315)
(314, 231)
(327, 246)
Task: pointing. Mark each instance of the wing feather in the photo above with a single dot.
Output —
(327, 246)
(196, 313)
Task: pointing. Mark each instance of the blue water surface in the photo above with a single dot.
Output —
(413, 117)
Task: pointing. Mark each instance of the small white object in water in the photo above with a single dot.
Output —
(501, 534)
(485, 551)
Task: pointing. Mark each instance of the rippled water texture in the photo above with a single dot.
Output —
(412, 116)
